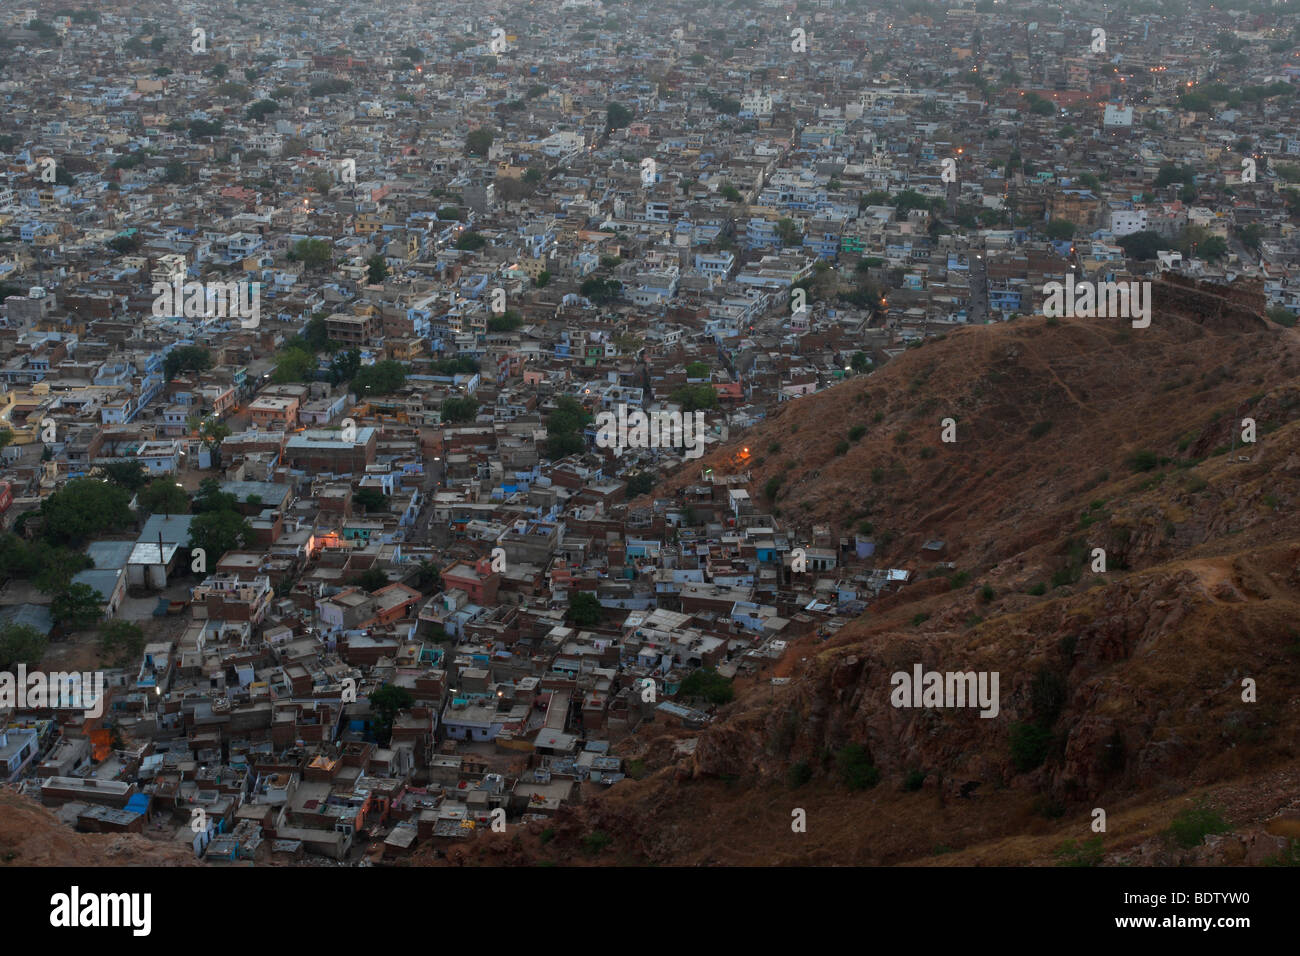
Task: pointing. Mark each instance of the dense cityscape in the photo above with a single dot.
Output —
(387, 391)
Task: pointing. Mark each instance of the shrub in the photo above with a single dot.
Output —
(1193, 825)
(928, 452)
(547, 835)
(1040, 429)
(1086, 853)
(1143, 461)
(842, 448)
(596, 841)
(987, 593)
(855, 768)
(856, 432)
(914, 781)
(1029, 745)
(799, 774)
(1038, 589)
(920, 619)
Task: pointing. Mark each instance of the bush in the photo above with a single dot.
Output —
(854, 766)
(1038, 589)
(842, 448)
(547, 835)
(772, 486)
(1190, 828)
(987, 593)
(1086, 853)
(914, 781)
(799, 774)
(1029, 745)
(856, 432)
(1040, 429)
(920, 619)
(596, 841)
(1143, 461)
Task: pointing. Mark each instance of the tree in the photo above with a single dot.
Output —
(1141, 245)
(695, 397)
(617, 116)
(460, 409)
(584, 609)
(385, 704)
(83, 508)
(1060, 229)
(345, 365)
(217, 532)
(21, 644)
(542, 279)
(709, 684)
(788, 232)
(312, 253)
(212, 432)
(427, 577)
(372, 499)
(176, 172)
(601, 291)
(376, 269)
(295, 364)
(382, 378)
(697, 370)
(859, 362)
(212, 498)
(262, 109)
(479, 141)
(163, 496)
(121, 641)
(125, 474)
(77, 607)
(641, 483)
(471, 241)
(6, 436)
(372, 580)
(186, 358)
(508, 321)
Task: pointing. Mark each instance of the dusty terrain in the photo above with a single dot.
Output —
(1136, 674)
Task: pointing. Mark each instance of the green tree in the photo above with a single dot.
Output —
(261, 110)
(788, 232)
(617, 116)
(385, 704)
(163, 496)
(709, 684)
(584, 609)
(479, 141)
(217, 532)
(543, 279)
(83, 508)
(460, 409)
(376, 269)
(314, 254)
(21, 644)
(125, 474)
(1142, 245)
(471, 241)
(694, 397)
(186, 358)
(381, 378)
(121, 641)
(1060, 229)
(371, 498)
(294, 364)
(77, 607)
(372, 579)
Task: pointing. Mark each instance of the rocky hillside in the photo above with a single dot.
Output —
(30, 835)
(1121, 690)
